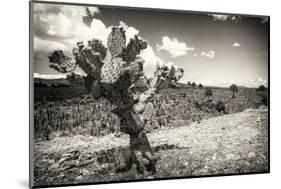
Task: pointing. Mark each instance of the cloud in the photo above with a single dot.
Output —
(150, 57)
(60, 21)
(224, 17)
(257, 82)
(65, 26)
(42, 47)
(262, 81)
(174, 47)
(235, 44)
(60, 27)
(209, 54)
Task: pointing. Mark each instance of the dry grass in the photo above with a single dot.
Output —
(234, 143)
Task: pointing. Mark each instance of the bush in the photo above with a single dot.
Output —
(234, 89)
(220, 107)
(261, 88)
(193, 84)
(208, 93)
(264, 100)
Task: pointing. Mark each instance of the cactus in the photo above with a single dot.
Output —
(112, 73)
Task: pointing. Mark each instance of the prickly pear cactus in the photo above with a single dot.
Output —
(116, 41)
(60, 62)
(112, 72)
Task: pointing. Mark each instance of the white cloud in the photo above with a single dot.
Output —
(150, 57)
(41, 45)
(60, 21)
(174, 47)
(257, 82)
(63, 28)
(236, 44)
(262, 81)
(209, 54)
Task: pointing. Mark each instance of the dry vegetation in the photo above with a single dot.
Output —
(80, 140)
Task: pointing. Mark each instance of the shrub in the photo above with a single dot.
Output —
(208, 93)
(264, 100)
(234, 89)
(193, 84)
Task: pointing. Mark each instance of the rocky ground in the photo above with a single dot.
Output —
(228, 144)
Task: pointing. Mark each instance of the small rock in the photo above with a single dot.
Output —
(51, 161)
(61, 176)
(214, 157)
(79, 178)
(230, 156)
(258, 119)
(61, 160)
(251, 155)
(50, 180)
(85, 172)
(249, 110)
(66, 155)
(263, 107)
(54, 166)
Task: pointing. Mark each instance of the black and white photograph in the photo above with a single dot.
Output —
(122, 94)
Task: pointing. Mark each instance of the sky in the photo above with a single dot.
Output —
(213, 49)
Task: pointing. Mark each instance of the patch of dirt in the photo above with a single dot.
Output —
(234, 143)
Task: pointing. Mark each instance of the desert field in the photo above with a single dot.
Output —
(78, 139)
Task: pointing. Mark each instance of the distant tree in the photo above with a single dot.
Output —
(208, 93)
(88, 12)
(261, 88)
(200, 86)
(234, 89)
(189, 83)
(193, 84)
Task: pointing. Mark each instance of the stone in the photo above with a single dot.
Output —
(251, 155)
(79, 178)
(258, 119)
(85, 172)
